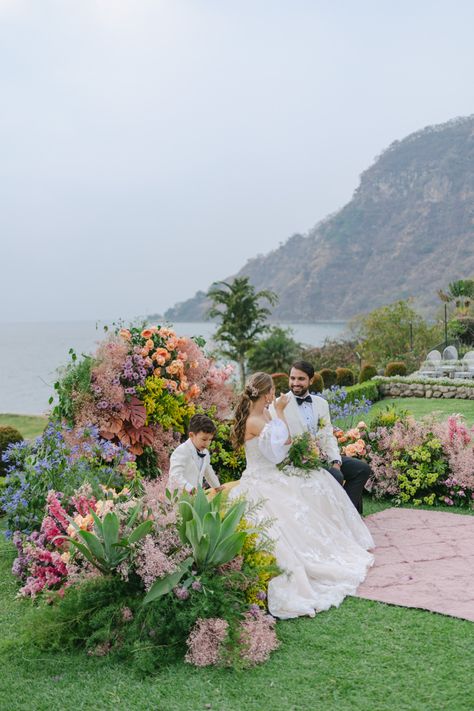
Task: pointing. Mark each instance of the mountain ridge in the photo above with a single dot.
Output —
(408, 230)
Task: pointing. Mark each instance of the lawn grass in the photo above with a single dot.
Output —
(30, 426)
(363, 656)
(419, 407)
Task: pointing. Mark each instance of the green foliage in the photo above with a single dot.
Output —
(344, 376)
(462, 329)
(106, 549)
(329, 377)
(367, 372)
(91, 616)
(368, 390)
(274, 353)
(147, 463)
(333, 354)
(170, 410)
(461, 292)
(317, 384)
(228, 462)
(8, 435)
(388, 417)
(211, 533)
(419, 470)
(76, 379)
(384, 335)
(281, 383)
(242, 319)
(395, 368)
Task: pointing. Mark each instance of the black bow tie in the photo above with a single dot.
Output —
(301, 400)
(201, 454)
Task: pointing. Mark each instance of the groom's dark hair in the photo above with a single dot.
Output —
(305, 367)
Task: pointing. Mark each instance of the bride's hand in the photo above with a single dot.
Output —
(280, 403)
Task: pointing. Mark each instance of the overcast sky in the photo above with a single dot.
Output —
(150, 147)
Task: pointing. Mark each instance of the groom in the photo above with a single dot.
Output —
(305, 412)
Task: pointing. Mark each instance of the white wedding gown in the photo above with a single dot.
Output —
(321, 541)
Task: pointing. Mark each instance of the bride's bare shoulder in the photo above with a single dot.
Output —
(254, 426)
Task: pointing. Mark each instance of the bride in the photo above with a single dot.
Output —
(321, 541)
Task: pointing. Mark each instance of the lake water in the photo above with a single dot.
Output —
(31, 353)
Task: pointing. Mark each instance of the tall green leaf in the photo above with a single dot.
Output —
(165, 585)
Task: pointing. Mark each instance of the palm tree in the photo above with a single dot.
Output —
(242, 319)
(461, 292)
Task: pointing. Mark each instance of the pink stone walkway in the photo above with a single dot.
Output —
(423, 559)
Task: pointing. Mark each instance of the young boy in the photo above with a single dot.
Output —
(190, 463)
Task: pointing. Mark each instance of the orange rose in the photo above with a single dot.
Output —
(361, 425)
(147, 333)
(184, 385)
(193, 392)
(172, 343)
(125, 333)
(176, 367)
(182, 356)
(149, 344)
(161, 353)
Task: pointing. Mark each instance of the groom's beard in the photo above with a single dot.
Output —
(299, 391)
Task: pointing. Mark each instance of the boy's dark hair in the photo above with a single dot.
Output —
(305, 367)
(201, 423)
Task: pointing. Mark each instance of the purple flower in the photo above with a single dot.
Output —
(196, 585)
(181, 593)
(261, 595)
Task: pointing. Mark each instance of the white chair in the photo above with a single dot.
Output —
(434, 356)
(450, 353)
(467, 365)
(428, 370)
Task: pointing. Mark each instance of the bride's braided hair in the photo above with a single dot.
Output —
(259, 384)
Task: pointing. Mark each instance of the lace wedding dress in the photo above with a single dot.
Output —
(321, 541)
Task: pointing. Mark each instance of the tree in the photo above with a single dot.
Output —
(241, 317)
(461, 292)
(275, 353)
(394, 333)
(461, 325)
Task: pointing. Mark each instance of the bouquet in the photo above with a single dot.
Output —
(303, 456)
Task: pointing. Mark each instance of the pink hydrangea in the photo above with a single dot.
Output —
(205, 641)
(258, 636)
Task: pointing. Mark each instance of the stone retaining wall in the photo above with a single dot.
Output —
(398, 389)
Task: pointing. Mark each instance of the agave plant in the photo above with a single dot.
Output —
(104, 548)
(210, 532)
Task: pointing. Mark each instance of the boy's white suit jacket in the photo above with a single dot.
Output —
(322, 422)
(184, 470)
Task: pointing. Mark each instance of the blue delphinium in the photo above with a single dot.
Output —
(50, 463)
(343, 408)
